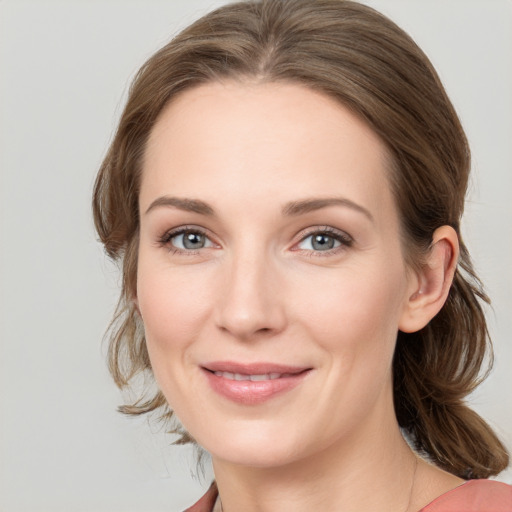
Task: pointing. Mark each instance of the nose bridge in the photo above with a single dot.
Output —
(251, 302)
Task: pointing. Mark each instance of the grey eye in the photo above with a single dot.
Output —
(319, 242)
(190, 240)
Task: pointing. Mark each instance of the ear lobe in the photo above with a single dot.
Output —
(433, 281)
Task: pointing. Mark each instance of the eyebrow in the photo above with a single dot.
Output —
(309, 205)
(189, 205)
(291, 209)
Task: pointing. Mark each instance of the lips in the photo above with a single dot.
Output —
(252, 384)
(252, 378)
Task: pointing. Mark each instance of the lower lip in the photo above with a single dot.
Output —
(249, 392)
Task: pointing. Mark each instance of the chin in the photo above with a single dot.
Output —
(270, 455)
(258, 447)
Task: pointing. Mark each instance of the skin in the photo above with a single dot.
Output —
(256, 289)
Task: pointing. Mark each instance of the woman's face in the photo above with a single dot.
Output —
(271, 279)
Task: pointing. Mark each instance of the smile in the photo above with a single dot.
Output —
(252, 384)
(253, 378)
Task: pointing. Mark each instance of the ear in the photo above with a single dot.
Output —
(431, 284)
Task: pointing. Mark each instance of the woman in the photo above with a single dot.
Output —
(285, 191)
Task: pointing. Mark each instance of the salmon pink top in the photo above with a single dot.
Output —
(474, 496)
(471, 496)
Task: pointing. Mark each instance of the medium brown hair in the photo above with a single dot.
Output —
(359, 57)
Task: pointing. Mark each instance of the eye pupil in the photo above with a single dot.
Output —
(193, 240)
(322, 242)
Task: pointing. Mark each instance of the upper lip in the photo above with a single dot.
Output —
(261, 368)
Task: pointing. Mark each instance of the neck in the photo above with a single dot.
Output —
(366, 472)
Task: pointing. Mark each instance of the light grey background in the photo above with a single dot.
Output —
(64, 70)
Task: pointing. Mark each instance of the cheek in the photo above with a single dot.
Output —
(354, 320)
(354, 298)
(173, 306)
(354, 314)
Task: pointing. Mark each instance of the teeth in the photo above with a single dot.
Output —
(259, 377)
(254, 378)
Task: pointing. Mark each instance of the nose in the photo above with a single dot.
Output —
(252, 303)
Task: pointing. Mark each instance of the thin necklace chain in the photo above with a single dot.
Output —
(413, 482)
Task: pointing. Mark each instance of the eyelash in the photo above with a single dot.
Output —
(345, 240)
(165, 239)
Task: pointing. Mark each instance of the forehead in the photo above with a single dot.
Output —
(267, 141)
